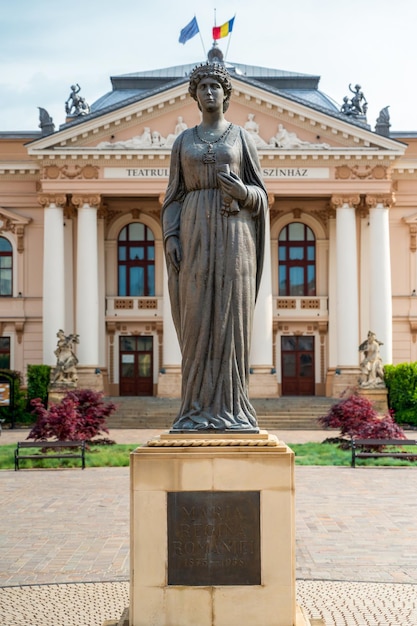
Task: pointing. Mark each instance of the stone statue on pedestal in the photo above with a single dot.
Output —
(213, 221)
(372, 371)
(65, 372)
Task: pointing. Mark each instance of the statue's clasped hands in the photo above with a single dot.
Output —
(232, 185)
(233, 190)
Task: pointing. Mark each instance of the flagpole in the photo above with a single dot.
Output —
(228, 43)
(201, 38)
(202, 43)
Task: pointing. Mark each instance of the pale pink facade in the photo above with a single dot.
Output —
(66, 197)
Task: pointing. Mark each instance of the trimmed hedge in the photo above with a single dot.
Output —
(19, 398)
(401, 382)
(38, 377)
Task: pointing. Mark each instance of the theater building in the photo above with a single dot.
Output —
(81, 247)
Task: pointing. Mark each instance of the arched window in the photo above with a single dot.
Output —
(6, 267)
(136, 261)
(297, 260)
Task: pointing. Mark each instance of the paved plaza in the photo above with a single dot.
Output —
(64, 543)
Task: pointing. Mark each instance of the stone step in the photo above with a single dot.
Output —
(273, 413)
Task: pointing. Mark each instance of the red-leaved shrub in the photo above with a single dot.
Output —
(80, 416)
(357, 417)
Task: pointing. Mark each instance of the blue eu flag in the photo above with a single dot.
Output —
(189, 31)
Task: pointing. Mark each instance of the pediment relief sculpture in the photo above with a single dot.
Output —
(148, 139)
(152, 138)
(290, 140)
(283, 139)
(252, 128)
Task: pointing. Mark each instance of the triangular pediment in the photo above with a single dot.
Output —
(10, 220)
(282, 126)
(13, 223)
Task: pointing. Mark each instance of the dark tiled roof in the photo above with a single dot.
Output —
(297, 87)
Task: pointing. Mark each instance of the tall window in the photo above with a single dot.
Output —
(6, 268)
(297, 260)
(5, 353)
(136, 261)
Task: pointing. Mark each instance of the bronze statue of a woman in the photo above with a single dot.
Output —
(213, 222)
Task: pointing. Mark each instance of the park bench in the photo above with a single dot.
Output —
(60, 450)
(371, 449)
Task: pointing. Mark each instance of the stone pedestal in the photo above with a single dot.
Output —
(91, 378)
(212, 532)
(169, 382)
(344, 381)
(57, 392)
(263, 383)
(378, 396)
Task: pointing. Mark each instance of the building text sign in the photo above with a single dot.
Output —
(300, 173)
(269, 173)
(135, 173)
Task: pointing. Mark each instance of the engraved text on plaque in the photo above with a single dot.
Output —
(214, 538)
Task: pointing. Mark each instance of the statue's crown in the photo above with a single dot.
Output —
(209, 69)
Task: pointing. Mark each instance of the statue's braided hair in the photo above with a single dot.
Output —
(213, 70)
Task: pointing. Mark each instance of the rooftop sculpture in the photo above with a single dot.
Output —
(357, 105)
(46, 123)
(75, 104)
(383, 123)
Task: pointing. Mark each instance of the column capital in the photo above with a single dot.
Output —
(79, 200)
(337, 201)
(386, 199)
(45, 199)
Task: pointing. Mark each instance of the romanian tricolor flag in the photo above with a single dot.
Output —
(223, 30)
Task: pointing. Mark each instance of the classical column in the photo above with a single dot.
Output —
(380, 292)
(347, 297)
(53, 273)
(169, 379)
(332, 337)
(87, 305)
(263, 383)
(101, 286)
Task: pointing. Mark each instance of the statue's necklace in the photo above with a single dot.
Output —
(210, 155)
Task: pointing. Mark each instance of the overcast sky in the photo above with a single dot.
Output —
(48, 45)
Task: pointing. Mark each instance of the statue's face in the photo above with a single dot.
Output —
(210, 94)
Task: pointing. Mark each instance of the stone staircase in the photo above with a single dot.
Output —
(285, 413)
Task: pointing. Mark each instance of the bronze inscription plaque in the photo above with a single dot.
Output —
(214, 538)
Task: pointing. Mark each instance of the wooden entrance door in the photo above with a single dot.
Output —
(297, 366)
(136, 366)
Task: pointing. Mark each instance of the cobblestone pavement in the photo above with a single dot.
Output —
(64, 545)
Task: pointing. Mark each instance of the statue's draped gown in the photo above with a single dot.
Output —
(213, 295)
